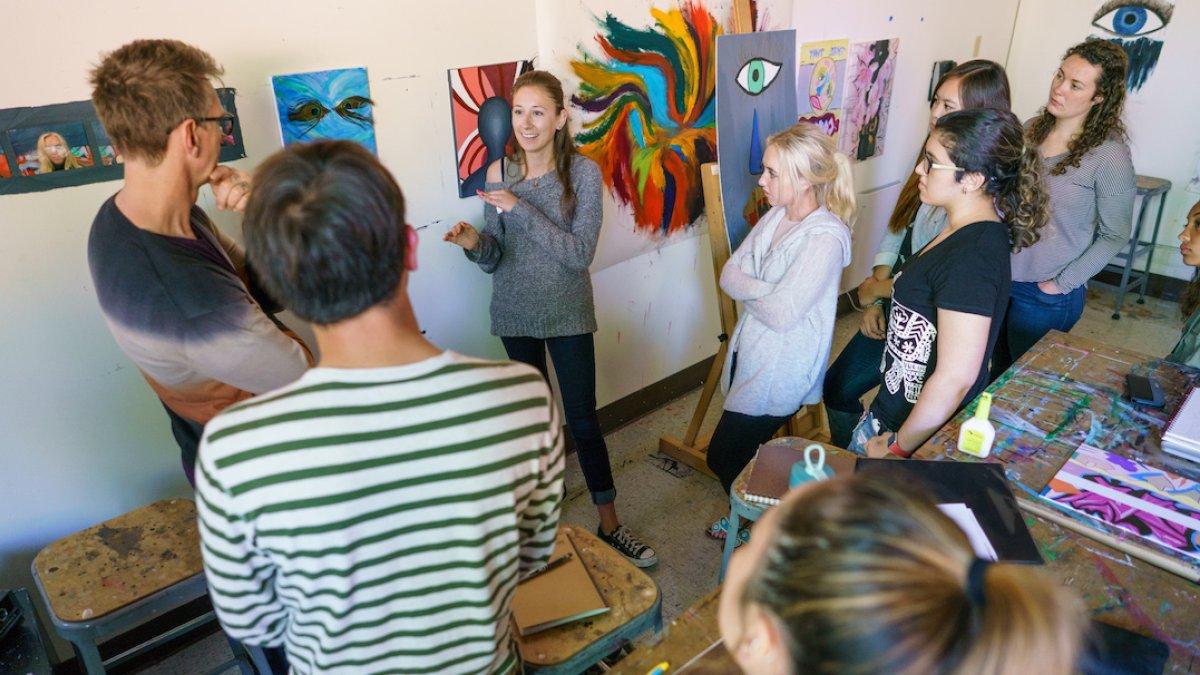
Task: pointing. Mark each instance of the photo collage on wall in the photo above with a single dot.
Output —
(64, 144)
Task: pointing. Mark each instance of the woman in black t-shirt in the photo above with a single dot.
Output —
(948, 299)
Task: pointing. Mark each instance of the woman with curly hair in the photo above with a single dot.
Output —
(949, 298)
(1187, 351)
(1091, 182)
(855, 575)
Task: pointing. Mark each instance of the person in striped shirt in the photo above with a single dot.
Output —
(376, 514)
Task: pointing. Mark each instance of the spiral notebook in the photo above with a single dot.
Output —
(773, 469)
(559, 596)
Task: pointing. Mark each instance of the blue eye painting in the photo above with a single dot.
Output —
(1127, 23)
(329, 104)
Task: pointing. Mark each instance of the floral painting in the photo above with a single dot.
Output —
(871, 67)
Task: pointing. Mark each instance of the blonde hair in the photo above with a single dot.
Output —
(869, 577)
(808, 154)
(44, 163)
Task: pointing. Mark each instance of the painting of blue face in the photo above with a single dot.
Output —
(329, 104)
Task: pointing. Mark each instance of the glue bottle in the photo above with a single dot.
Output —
(977, 433)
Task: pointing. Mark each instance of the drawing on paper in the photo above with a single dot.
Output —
(481, 114)
(650, 113)
(1146, 501)
(871, 67)
(756, 97)
(328, 104)
(820, 72)
(1128, 24)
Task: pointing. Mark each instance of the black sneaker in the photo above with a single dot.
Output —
(628, 545)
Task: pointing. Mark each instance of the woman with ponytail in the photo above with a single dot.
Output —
(785, 274)
(949, 299)
(974, 84)
(542, 214)
(854, 575)
(1082, 139)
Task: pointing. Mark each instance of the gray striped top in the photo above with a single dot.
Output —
(1091, 215)
(376, 520)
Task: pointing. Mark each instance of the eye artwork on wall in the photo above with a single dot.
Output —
(871, 67)
(820, 74)
(650, 113)
(1135, 25)
(481, 113)
(756, 97)
(64, 144)
(327, 104)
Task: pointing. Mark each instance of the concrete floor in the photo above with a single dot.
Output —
(671, 513)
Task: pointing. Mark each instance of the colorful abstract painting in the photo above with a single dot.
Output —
(650, 113)
(820, 74)
(481, 113)
(870, 69)
(1151, 503)
(1129, 24)
(756, 97)
(328, 104)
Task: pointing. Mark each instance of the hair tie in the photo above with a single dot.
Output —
(975, 574)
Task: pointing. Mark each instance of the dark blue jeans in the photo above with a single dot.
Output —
(1031, 314)
(853, 373)
(575, 365)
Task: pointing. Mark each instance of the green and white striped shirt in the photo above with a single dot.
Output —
(377, 520)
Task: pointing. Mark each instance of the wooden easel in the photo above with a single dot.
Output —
(810, 422)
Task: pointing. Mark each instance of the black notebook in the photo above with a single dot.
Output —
(979, 485)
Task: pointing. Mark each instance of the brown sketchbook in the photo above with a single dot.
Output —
(557, 596)
(773, 469)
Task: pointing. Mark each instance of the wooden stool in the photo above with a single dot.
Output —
(124, 572)
(635, 607)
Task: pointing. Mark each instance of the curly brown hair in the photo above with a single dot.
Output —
(990, 142)
(1104, 119)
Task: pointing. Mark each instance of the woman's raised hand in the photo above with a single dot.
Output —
(464, 235)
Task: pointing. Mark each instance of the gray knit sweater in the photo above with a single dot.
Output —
(538, 258)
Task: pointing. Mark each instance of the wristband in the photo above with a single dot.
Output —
(895, 449)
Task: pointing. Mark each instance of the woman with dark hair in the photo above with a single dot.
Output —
(973, 84)
(852, 575)
(542, 214)
(1082, 140)
(950, 297)
(1187, 350)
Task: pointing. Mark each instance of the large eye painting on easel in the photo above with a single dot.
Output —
(1128, 23)
(756, 97)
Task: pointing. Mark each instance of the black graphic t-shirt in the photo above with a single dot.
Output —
(968, 272)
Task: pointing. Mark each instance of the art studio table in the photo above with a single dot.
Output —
(1066, 391)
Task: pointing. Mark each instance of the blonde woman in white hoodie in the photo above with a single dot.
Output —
(785, 274)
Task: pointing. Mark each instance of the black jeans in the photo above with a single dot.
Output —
(737, 437)
(575, 364)
(853, 373)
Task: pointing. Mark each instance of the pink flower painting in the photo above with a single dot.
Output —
(871, 68)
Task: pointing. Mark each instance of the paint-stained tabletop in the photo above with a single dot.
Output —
(120, 561)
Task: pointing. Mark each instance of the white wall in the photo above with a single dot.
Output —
(1162, 118)
(929, 31)
(82, 438)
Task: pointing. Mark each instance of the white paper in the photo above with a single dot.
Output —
(964, 517)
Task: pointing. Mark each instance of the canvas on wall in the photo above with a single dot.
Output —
(756, 97)
(1137, 26)
(327, 104)
(481, 114)
(870, 69)
(820, 75)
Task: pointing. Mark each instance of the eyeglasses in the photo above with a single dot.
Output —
(930, 165)
(225, 120)
(56, 146)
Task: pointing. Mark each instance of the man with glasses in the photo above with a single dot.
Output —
(173, 288)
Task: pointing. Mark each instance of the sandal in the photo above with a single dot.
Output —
(719, 529)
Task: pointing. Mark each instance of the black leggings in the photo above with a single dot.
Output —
(737, 438)
(574, 359)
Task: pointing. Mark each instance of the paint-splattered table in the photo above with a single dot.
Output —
(1066, 391)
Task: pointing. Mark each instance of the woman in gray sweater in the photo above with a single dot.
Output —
(542, 214)
(1091, 183)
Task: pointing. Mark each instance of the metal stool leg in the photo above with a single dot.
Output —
(1162, 200)
(735, 524)
(1133, 247)
(89, 655)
